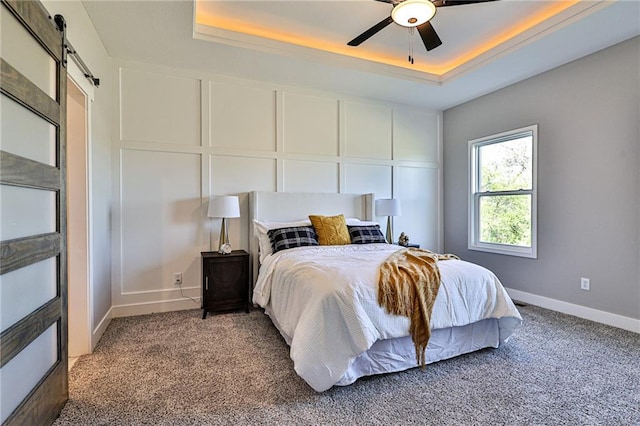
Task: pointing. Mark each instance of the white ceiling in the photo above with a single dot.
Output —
(305, 42)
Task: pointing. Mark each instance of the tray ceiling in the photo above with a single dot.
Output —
(472, 34)
(304, 43)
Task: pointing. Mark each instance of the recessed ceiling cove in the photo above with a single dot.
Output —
(363, 34)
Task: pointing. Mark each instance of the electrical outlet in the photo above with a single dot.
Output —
(585, 284)
(177, 278)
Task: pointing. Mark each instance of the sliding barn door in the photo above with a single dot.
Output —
(33, 261)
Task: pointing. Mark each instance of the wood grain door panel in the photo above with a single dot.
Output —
(39, 399)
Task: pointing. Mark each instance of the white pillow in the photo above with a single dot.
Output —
(261, 227)
(352, 221)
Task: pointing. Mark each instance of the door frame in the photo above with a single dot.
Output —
(77, 76)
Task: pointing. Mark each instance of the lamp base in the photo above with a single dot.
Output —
(389, 235)
(223, 246)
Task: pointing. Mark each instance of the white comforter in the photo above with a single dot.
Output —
(324, 299)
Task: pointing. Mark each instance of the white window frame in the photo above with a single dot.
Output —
(474, 242)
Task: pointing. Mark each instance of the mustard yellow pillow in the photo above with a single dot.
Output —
(331, 230)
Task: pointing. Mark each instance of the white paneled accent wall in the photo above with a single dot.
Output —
(162, 227)
(159, 108)
(187, 135)
(310, 124)
(418, 188)
(310, 176)
(242, 117)
(368, 178)
(368, 130)
(415, 135)
(232, 175)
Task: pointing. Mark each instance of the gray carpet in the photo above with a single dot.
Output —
(177, 369)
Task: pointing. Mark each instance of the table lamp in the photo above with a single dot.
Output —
(388, 207)
(225, 206)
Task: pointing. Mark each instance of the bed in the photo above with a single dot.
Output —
(323, 299)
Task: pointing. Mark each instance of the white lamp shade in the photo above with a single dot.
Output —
(224, 206)
(388, 207)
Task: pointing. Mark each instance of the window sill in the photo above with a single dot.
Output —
(528, 252)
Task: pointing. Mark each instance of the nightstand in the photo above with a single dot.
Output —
(225, 281)
(410, 245)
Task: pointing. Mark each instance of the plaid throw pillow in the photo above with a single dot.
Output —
(366, 234)
(286, 238)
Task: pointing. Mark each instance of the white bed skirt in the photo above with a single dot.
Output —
(392, 355)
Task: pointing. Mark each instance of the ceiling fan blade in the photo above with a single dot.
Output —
(370, 32)
(429, 36)
(443, 3)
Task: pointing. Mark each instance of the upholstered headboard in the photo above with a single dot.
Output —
(287, 206)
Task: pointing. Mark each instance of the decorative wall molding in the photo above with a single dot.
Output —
(248, 135)
(153, 307)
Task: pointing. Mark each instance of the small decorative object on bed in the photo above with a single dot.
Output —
(324, 298)
(224, 207)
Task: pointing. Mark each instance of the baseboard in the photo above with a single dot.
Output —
(626, 323)
(154, 307)
(97, 333)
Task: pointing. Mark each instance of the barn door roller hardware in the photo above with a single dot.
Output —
(69, 50)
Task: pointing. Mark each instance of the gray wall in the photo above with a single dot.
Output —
(588, 179)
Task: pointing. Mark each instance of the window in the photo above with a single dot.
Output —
(502, 192)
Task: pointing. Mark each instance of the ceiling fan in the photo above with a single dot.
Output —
(413, 14)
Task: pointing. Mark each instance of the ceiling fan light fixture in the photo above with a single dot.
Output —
(411, 13)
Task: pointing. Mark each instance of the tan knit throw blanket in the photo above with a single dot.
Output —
(408, 286)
